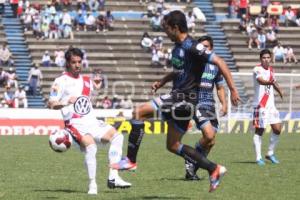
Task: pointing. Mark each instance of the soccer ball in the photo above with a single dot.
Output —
(60, 141)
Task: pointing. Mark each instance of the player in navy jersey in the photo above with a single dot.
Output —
(206, 118)
(189, 60)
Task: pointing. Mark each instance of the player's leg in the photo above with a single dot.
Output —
(116, 139)
(175, 146)
(274, 138)
(257, 143)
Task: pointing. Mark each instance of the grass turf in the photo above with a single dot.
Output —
(30, 170)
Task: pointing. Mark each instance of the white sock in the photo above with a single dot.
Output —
(257, 146)
(90, 161)
(273, 142)
(115, 153)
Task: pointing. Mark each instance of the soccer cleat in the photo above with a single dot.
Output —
(190, 174)
(260, 162)
(273, 159)
(93, 189)
(124, 164)
(216, 176)
(118, 183)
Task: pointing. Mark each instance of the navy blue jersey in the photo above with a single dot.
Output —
(188, 60)
(209, 78)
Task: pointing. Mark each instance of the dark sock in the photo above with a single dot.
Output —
(135, 138)
(190, 154)
(201, 150)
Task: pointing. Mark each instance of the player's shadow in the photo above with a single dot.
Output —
(59, 191)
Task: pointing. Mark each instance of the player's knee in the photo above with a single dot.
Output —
(136, 113)
(173, 147)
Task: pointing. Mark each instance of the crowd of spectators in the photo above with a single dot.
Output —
(58, 19)
(262, 26)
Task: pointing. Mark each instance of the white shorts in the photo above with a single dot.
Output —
(265, 116)
(96, 128)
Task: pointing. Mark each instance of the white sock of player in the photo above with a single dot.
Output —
(90, 161)
(257, 146)
(115, 153)
(273, 142)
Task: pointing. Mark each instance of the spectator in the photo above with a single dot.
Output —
(37, 31)
(278, 53)
(297, 20)
(81, 5)
(253, 37)
(14, 5)
(264, 3)
(109, 20)
(9, 98)
(46, 59)
(101, 4)
(53, 30)
(155, 22)
(146, 42)
(68, 32)
(66, 4)
(260, 21)
(144, 1)
(90, 22)
(271, 36)
(3, 77)
(289, 16)
(34, 79)
(27, 21)
(45, 30)
(243, 8)
(80, 21)
(232, 8)
(106, 103)
(101, 24)
(190, 19)
(66, 18)
(5, 56)
(262, 38)
(115, 102)
(244, 22)
(2, 6)
(155, 58)
(93, 4)
(126, 103)
(12, 79)
(20, 97)
(59, 57)
(290, 56)
(85, 62)
(97, 79)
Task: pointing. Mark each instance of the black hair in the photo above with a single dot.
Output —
(73, 52)
(207, 38)
(176, 18)
(263, 52)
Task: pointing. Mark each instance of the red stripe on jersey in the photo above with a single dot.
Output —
(86, 86)
(265, 98)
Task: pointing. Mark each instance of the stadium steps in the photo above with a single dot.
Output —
(214, 29)
(22, 60)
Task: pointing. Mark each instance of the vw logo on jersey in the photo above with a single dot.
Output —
(181, 53)
(211, 67)
(82, 105)
(200, 47)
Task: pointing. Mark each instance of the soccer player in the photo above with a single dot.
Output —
(70, 93)
(188, 59)
(206, 117)
(265, 111)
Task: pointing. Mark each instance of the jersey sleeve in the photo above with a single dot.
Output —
(257, 72)
(219, 80)
(56, 91)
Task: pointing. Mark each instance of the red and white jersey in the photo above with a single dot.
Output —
(264, 94)
(67, 86)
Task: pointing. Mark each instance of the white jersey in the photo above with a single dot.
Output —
(264, 94)
(67, 86)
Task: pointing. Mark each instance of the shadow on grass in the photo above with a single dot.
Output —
(60, 190)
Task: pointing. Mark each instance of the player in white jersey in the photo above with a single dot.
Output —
(71, 94)
(265, 112)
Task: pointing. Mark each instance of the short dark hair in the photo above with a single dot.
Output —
(73, 52)
(263, 52)
(207, 38)
(174, 18)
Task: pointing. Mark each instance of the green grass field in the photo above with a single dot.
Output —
(30, 170)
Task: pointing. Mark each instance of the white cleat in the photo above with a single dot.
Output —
(118, 183)
(93, 189)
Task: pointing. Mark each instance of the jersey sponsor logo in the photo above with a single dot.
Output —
(208, 76)
(177, 63)
(82, 105)
(206, 85)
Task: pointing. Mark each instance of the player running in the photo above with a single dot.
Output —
(206, 117)
(265, 111)
(70, 93)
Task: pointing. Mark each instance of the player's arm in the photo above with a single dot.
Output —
(220, 63)
(261, 81)
(167, 78)
(222, 98)
(278, 89)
